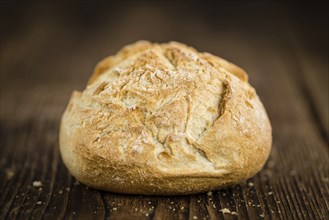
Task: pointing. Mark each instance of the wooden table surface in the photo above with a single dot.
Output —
(50, 49)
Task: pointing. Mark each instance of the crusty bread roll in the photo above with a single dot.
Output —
(164, 119)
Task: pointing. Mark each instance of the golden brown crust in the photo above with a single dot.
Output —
(164, 119)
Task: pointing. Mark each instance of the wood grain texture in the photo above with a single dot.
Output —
(49, 49)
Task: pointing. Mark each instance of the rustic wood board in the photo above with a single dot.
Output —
(49, 49)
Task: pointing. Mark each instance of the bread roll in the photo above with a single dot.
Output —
(164, 119)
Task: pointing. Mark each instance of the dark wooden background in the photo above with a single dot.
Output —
(50, 49)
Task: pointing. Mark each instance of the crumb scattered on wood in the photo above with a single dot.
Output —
(227, 211)
(37, 183)
(39, 203)
(209, 193)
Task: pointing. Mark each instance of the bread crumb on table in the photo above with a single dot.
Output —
(37, 183)
(39, 203)
(251, 184)
(227, 211)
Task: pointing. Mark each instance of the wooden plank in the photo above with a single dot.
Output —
(295, 135)
(312, 57)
